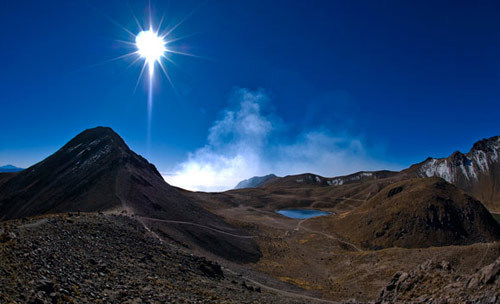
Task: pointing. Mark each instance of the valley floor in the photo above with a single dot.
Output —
(302, 253)
(111, 258)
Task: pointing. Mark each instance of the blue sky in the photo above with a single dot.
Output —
(330, 87)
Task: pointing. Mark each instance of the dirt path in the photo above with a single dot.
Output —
(198, 225)
(283, 292)
(262, 285)
(344, 199)
(35, 223)
(299, 226)
(480, 263)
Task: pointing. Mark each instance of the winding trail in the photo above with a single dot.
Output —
(283, 292)
(35, 223)
(484, 256)
(344, 199)
(262, 285)
(299, 226)
(198, 225)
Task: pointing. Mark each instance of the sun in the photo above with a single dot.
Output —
(150, 46)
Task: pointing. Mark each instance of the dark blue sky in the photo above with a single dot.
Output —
(408, 79)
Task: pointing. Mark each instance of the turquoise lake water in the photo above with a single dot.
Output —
(301, 213)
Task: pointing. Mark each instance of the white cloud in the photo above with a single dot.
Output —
(243, 143)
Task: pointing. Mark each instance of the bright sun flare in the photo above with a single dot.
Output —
(150, 46)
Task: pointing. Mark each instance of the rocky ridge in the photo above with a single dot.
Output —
(475, 172)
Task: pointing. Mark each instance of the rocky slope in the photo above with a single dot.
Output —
(439, 282)
(417, 213)
(110, 259)
(96, 171)
(477, 172)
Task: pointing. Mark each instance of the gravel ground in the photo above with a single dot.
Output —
(110, 259)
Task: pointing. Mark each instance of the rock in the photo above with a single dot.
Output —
(487, 275)
(45, 285)
(7, 236)
(211, 269)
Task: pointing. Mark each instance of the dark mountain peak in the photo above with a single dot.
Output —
(458, 158)
(97, 149)
(96, 171)
(96, 137)
(487, 144)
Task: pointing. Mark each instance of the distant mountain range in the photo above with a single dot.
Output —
(255, 181)
(10, 168)
(476, 172)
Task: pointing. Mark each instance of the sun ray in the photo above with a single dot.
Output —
(106, 61)
(161, 22)
(111, 19)
(140, 76)
(183, 53)
(168, 77)
(179, 38)
(133, 62)
(171, 61)
(125, 42)
(135, 18)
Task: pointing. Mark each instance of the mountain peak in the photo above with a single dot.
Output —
(473, 172)
(96, 171)
(487, 144)
(94, 137)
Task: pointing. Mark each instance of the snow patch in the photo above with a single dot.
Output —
(95, 157)
(335, 182)
(439, 168)
(73, 148)
(95, 142)
(481, 159)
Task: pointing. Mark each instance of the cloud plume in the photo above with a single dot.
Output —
(246, 142)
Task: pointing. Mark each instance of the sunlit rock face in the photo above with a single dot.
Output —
(474, 171)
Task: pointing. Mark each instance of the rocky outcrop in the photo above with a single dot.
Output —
(476, 172)
(439, 282)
